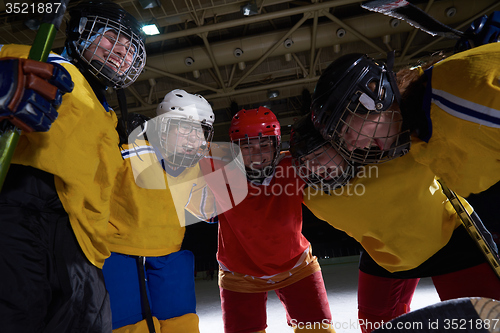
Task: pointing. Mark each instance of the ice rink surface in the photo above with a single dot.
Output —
(340, 275)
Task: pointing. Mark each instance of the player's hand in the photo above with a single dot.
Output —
(31, 92)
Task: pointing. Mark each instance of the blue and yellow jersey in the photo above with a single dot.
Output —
(464, 108)
(149, 199)
(81, 151)
(395, 210)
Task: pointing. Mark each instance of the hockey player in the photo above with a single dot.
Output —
(150, 281)
(452, 113)
(406, 232)
(54, 204)
(261, 246)
(373, 136)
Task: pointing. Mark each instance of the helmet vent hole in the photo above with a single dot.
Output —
(179, 95)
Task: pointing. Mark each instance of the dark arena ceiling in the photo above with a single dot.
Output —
(273, 57)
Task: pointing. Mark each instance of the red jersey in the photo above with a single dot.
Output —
(262, 235)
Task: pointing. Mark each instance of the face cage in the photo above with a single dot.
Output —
(370, 153)
(98, 66)
(254, 173)
(192, 140)
(326, 179)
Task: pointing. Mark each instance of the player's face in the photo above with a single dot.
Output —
(257, 153)
(185, 137)
(373, 129)
(325, 162)
(113, 50)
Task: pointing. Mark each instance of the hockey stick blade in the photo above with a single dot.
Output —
(473, 229)
(414, 16)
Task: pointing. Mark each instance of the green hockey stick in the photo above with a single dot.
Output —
(39, 51)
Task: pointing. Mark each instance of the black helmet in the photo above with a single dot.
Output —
(310, 150)
(124, 59)
(355, 84)
(483, 30)
(339, 84)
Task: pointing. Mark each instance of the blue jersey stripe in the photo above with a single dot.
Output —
(465, 109)
(140, 150)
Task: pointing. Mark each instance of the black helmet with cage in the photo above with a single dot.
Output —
(355, 85)
(106, 25)
(315, 160)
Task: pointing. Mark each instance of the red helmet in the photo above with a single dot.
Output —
(254, 123)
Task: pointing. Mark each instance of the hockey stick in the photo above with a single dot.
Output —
(473, 229)
(39, 51)
(146, 309)
(403, 10)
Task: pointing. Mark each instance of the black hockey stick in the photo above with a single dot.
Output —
(473, 228)
(146, 309)
(404, 10)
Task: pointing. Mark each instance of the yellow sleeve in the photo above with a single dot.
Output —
(81, 151)
(390, 209)
(465, 114)
(144, 220)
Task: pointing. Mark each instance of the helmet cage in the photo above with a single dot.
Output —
(184, 142)
(364, 75)
(114, 69)
(256, 149)
(374, 145)
(311, 167)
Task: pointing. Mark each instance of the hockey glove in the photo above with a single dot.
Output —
(31, 92)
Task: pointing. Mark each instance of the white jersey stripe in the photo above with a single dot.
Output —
(139, 150)
(465, 109)
(57, 59)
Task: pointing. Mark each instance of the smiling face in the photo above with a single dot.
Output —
(258, 153)
(184, 142)
(114, 50)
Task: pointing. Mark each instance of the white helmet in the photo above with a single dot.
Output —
(182, 105)
(184, 114)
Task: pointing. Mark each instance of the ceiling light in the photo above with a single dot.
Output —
(148, 4)
(273, 94)
(150, 29)
(250, 8)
